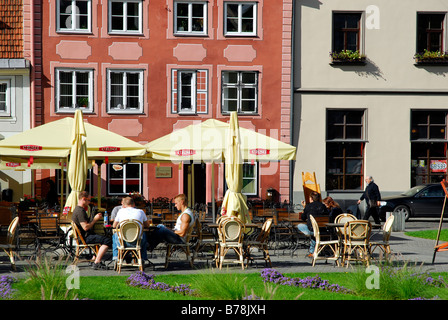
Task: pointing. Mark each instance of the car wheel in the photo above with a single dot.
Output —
(404, 210)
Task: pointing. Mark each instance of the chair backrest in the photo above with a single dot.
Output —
(77, 235)
(130, 230)
(316, 231)
(232, 229)
(387, 228)
(357, 230)
(48, 223)
(265, 231)
(343, 218)
(10, 237)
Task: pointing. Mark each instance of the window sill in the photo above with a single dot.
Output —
(190, 35)
(431, 62)
(129, 112)
(125, 34)
(348, 62)
(72, 111)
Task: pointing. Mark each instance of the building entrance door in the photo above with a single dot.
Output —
(195, 183)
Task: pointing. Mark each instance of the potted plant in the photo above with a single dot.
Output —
(431, 57)
(348, 57)
(83, 102)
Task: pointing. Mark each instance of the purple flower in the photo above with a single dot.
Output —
(146, 281)
(272, 275)
(6, 291)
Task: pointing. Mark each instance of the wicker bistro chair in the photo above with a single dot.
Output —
(232, 231)
(333, 245)
(186, 247)
(10, 245)
(129, 234)
(356, 241)
(343, 218)
(261, 242)
(81, 244)
(384, 244)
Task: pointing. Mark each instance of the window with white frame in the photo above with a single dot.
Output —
(239, 91)
(125, 91)
(190, 18)
(5, 103)
(240, 18)
(74, 90)
(189, 91)
(250, 179)
(124, 178)
(125, 16)
(74, 15)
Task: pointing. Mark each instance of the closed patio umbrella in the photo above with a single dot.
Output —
(77, 166)
(234, 202)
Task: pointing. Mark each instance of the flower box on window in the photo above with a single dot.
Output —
(347, 57)
(431, 58)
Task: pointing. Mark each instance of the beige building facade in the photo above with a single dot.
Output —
(372, 108)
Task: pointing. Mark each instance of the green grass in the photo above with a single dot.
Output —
(429, 234)
(227, 286)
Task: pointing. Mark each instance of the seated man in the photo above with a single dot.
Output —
(184, 222)
(113, 214)
(128, 211)
(86, 225)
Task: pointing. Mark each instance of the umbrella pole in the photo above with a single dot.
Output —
(213, 192)
(99, 185)
(62, 186)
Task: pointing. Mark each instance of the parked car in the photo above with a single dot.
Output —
(420, 201)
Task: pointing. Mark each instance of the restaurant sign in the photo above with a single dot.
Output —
(185, 152)
(12, 164)
(438, 165)
(109, 149)
(260, 151)
(30, 147)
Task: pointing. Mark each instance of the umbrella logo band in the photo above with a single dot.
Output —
(30, 147)
(260, 152)
(185, 152)
(12, 164)
(109, 149)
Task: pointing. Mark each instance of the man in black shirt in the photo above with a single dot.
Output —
(373, 197)
(86, 225)
(314, 208)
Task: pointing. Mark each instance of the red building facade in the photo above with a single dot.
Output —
(145, 68)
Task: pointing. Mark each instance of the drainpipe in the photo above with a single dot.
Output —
(291, 120)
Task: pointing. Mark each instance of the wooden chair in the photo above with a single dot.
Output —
(48, 232)
(232, 230)
(129, 235)
(333, 245)
(26, 230)
(261, 242)
(356, 241)
(185, 247)
(309, 185)
(81, 244)
(10, 245)
(384, 244)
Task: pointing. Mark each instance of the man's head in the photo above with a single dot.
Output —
(180, 201)
(369, 179)
(83, 199)
(127, 202)
(314, 196)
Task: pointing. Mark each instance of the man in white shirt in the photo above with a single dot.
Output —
(128, 211)
(184, 222)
